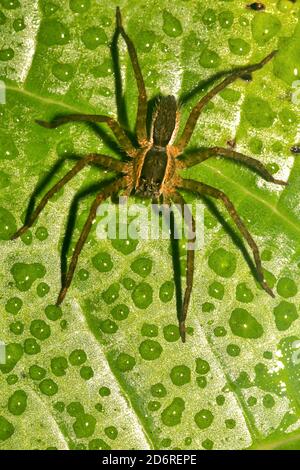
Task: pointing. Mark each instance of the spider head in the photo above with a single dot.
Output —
(164, 122)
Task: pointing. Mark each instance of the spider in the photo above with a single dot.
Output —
(152, 168)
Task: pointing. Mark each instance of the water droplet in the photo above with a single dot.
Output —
(180, 375)
(202, 366)
(216, 290)
(171, 333)
(13, 305)
(125, 362)
(14, 352)
(17, 327)
(149, 330)
(111, 294)
(102, 262)
(108, 326)
(243, 293)
(103, 70)
(268, 401)
(209, 59)
(25, 274)
(230, 95)
(166, 291)
(207, 307)
(209, 17)
(286, 287)
(258, 112)
(285, 314)
(111, 432)
(154, 405)
(94, 37)
(238, 46)
(233, 350)
(158, 390)
(98, 444)
(31, 347)
(150, 350)
(40, 330)
(17, 402)
(120, 312)
(204, 419)
(285, 6)
(48, 387)
(226, 19)
(19, 24)
(12, 379)
(172, 414)
(144, 40)
(142, 295)
(142, 266)
(128, 283)
(86, 372)
(53, 312)
(255, 145)
(59, 366)
(53, 32)
(77, 357)
(63, 72)
(79, 6)
(75, 408)
(264, 27)
(6, 429)
(36, 372)
(41, 233)
(171, 25)
(8, 149)
(287, 117)
(83, 275)
(220, 400)
(84, 426)
(230, 423)
(222, 262)
(207, 444)
(10, 4)
(104, 391)
(124, 246)
(243, 324)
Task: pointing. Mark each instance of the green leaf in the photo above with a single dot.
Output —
(108, 369)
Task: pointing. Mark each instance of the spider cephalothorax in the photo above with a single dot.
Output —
(154, 167)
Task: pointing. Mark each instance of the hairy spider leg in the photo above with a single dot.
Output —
(178, 199)
(207, 190)
(110, 190)
(103, 160)
(253, 163)
(119, 133)
(195, 113)
(141, 119)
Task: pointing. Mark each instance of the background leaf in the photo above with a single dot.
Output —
(104, 372)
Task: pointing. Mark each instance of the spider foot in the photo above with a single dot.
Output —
(61, 295)
(267, 288)
(182, 330)
(46, 124)
(119, 18)
(19, 232)
(281, 182)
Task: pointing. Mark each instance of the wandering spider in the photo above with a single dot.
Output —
(153, 170)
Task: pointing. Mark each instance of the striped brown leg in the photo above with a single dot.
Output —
(195, 113)
(103, 160)
(203, 155)
(180, 202)
(119, 133)
(141, 119)
(111, 189)
(206, 190)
